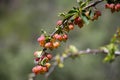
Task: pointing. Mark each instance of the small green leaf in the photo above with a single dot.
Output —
(72, 11)
(83, 4)
(109, 58)
(62, 14)
(43, 62)
(111, 52)
(79, 2)
(68, 15)
(85, 19)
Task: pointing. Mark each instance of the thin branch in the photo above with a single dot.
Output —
(88, 51)
(93, 4)
(63, 58)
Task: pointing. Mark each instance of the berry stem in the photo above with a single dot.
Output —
(92, 4)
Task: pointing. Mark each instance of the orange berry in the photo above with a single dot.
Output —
(45, 69)
(48, 45)
(55, 36)
(35, 70)
(59, 37)
(41, 40)
(71, 26)
(56, 44)
(48, 65)
(39, 68)
(42, 43)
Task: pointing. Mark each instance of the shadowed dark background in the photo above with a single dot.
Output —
(21, 22)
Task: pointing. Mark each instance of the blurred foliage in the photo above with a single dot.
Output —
(20, 25)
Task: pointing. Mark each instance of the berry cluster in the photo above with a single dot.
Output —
(68, 27)
(60, 37)
(42, 62)
(113, 7)
(53, 41)
(47, 42)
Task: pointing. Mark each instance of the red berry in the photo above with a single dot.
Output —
(107, 6)
(77, 20)
(117, 7)
(49, 56)
(112, 6)
(80, 25)
(59, 22)
(37, 59)
(98, 13)
(65, 37)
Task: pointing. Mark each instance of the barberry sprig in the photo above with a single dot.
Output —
(77, 16)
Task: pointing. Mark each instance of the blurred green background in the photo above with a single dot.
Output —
(21, 22)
